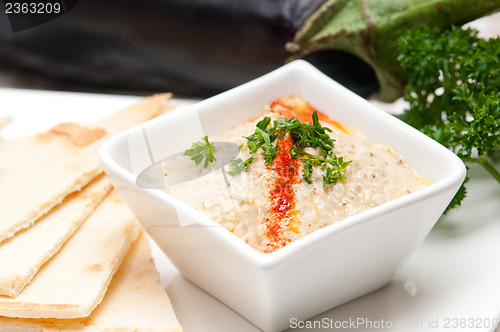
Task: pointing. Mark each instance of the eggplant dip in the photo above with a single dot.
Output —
(297, 171)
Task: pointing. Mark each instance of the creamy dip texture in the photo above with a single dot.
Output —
(271, 205)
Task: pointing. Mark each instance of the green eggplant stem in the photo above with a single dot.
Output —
(370, 30)
(486, 163)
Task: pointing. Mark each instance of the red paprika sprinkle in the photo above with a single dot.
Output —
(295, 107)
(282, 196)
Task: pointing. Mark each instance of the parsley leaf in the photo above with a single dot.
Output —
(201, 150)
(262, 138)
(238, 165)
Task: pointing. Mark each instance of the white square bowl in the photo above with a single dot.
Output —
(320, 271)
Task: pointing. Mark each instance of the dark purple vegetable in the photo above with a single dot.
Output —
(202, 47)
(193, 48)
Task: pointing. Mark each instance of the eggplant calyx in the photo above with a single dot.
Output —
(370, 30)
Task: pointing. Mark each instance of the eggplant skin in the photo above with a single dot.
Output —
(193, 48)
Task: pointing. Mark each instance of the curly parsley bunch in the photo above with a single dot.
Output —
(453, 91)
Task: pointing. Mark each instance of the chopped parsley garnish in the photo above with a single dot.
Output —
(333, 167)
(201, 150)
(238, 165)
(265, 140)
(304, 136)
(262, 138)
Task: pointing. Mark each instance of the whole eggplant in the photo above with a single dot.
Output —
(191, 47)
(201, 47)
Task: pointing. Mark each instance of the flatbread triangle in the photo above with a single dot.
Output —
(135, 301)
(74, 281)
(39, 171)
(23, 254)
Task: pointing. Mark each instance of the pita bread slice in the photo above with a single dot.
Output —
(38, 171)
(22, 255)
(74, 281)
(135, 301)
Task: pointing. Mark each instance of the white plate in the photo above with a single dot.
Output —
(450, 283)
